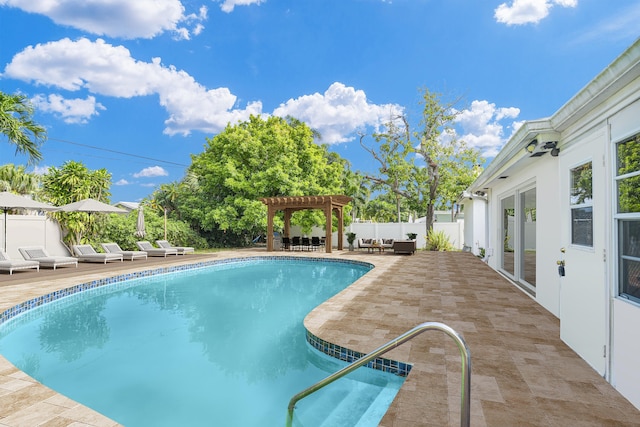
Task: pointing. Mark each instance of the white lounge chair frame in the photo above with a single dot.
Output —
(149, 249)
(181, 249)
(10, 265)
(40, 254)
(86, 253)
(114, 248)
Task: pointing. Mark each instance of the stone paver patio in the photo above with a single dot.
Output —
(522, 373)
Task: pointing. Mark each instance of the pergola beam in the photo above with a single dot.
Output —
(291, 204)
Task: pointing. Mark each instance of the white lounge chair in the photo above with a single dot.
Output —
(40, 254)
(181, 249)
(86, 253)
(114, 248)
(148, 248)
(10, 265)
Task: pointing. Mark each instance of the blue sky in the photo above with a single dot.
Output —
(136, 86)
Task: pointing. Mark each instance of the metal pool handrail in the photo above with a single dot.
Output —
(465, 407)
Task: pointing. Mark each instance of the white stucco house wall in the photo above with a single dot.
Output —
(566, 189)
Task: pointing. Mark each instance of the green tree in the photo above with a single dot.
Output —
(71, 183)
(17, 180)
(119, 228)
(391, 151)
(449, 164)
(17, 124)
(427, 168)
(357, 187)
(254, 159)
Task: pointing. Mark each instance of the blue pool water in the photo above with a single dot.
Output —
(220, 346)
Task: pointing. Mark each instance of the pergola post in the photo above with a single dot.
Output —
(270, 214)
(328, 244)
(287, 222)
(339, 214)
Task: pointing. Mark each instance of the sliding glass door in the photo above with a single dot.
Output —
(518, 255)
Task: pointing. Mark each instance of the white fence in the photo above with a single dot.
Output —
(394, 230)
(31, 230)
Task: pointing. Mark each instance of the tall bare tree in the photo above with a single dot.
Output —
(428, 167)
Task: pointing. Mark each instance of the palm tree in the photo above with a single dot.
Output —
(17, 124)
(17, 180)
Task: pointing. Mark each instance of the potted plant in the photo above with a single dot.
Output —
(412, 236)
(351, 237)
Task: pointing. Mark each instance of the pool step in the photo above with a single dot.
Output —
(351, 403)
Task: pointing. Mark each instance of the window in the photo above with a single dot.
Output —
(628, 216)
(581, 204)
(508, 234)
(528, 224)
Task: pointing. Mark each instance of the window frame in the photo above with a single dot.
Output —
(622, 219)
(585, 205)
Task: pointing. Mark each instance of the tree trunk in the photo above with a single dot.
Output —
(433, 192)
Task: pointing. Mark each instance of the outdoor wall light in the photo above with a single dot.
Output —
(550, 145)
(555, 151)
(531, 146)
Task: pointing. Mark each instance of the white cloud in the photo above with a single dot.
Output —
(71, 110)
(229, 5)
(528, 11)
(619, 25)
(115, 18)
(337, 113)
(151, 171)
(483, 128)
(121, 182)
(104, 69)
(41, 170)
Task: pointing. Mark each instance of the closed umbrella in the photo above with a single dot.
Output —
(10, 201)
(140, 231)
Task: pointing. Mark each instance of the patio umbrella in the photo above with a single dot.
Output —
(90, 206)
(10, 201)
(140, 231)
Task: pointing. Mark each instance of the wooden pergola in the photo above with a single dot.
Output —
(291, 204)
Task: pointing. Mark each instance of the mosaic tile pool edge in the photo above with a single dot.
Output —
(342, 353)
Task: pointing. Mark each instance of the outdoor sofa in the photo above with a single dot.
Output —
(386, 243)
(114, 248)
(86, 253)
(404, 246)
(40, 254)
(367, 243)
(10, 265)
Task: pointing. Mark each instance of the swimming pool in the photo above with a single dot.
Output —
(222, 345)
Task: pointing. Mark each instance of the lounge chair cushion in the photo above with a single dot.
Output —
(36, 253)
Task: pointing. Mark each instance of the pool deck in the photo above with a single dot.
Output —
(522, 373)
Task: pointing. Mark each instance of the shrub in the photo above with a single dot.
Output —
(351, 237)
(438, 241)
